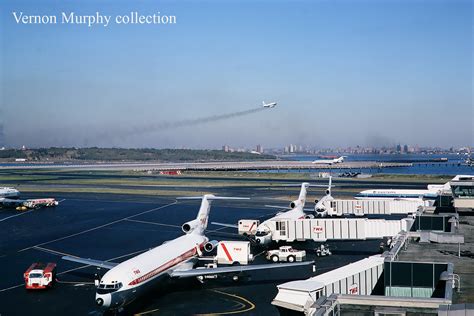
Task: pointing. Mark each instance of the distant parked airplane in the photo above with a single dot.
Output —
(269, 105)
(10, 193)
(430, 193)
(329, 161)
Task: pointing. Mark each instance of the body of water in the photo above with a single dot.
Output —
(421, 164)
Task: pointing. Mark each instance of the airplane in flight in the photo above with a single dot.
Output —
(330, 161)
(269, 105)
(126, 281)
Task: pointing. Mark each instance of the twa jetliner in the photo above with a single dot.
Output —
(330, 161)
(263, 234)
(430, 193)
(269, 105)
(126, 281)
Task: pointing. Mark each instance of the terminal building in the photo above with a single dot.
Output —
(462, 188)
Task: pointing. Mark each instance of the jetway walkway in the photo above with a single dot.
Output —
(324, 229)
(338, 207)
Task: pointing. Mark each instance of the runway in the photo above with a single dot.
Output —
(209, 166)
(113, 227)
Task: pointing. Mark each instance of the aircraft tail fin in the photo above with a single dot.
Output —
(328, 191)
(302, 196)
(199, 225)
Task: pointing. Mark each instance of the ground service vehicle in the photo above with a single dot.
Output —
(40, 276)
(231, 252)
(286, 253)
(248, 226)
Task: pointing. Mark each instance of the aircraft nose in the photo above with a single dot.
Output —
(103, 300)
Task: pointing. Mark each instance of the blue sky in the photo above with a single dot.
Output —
(343, 72)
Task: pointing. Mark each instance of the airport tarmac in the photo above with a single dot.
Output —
(116, 227)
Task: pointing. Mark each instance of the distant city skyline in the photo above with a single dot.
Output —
(343, 73)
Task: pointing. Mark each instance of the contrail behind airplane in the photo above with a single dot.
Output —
(192, 122)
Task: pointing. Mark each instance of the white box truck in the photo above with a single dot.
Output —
(248, 226)
(232, 252)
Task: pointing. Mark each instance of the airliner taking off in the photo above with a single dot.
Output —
(269, 105)
(330, 161)
(176, 258)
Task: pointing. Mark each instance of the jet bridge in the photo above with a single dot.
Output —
(320, 230)
(336, 207)
(358, 278)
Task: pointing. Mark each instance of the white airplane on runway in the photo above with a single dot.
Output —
(176, 258)
(430, 193)
(269, 105)
(330, 161)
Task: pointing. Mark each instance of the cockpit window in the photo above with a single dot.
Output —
(261, 233)
(108, 288)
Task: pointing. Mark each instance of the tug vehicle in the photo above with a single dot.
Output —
(286, 253)
(40, 276)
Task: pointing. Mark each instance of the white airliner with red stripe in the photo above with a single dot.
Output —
(125, 281)
(263, 234)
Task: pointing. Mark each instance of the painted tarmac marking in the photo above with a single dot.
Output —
(153, 223)
(4, 219)
(97, 227)
(111, 201)
(251, 305)
(12, 287)
(169, 225)
(147, 312)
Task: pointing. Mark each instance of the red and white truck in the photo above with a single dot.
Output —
(231, 252)
(248, 226)
(40, 276)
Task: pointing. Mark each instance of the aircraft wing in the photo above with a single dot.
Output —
(278, 206)
(234, 269)
(225, 225)
(91, 262)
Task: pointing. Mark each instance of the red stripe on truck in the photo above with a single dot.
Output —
(226, 252)
(250, 229)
